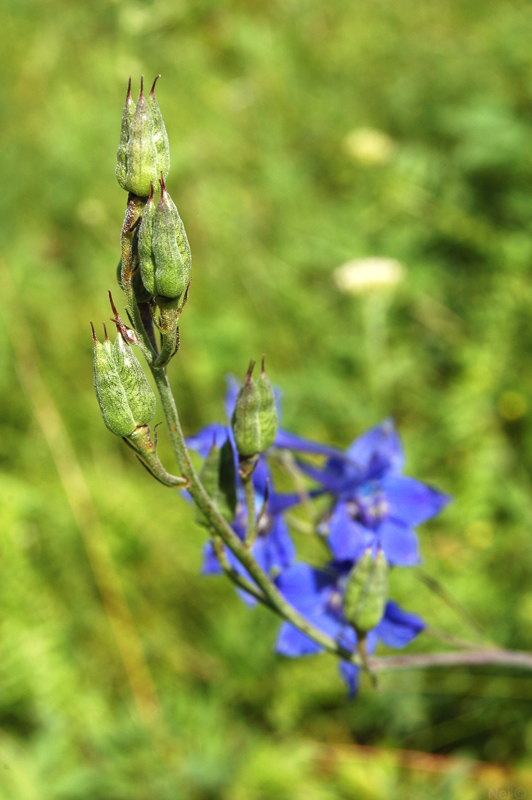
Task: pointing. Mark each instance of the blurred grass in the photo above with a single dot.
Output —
(275, 114)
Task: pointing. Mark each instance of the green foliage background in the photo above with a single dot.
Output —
(262, 104)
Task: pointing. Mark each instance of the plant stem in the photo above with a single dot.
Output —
(251, 527)
(480, 657)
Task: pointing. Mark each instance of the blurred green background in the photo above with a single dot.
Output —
(304, 135)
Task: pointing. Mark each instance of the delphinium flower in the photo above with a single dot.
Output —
(374, 504)
(319, 595)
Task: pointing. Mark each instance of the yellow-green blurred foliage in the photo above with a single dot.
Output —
(304, 134)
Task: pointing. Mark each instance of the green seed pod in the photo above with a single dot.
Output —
(138, 391)
(368, 582)
(141, 153)
(268, 416)
(170, 248)
(246, 417)
(356, 582)
(218, 476)
(159, 133)
(121, 156)
(110, 392)
(146, 260)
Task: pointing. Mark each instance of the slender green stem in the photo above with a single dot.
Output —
(233, 575)
(251, 526)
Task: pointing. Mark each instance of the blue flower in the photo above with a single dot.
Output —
(318, 594)
(376, 506)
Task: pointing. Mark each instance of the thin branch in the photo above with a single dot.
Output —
(504, 658)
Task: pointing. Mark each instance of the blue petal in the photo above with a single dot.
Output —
(290, 441)
(411, 501)
(378, 451)
(347, 538)
(350, 675)
(233, 387)
(202, 441)
(274, 550)
(337, 476)
(292, 643)
(399, 543)
(398, 628)
(210, 564)
(304, 587)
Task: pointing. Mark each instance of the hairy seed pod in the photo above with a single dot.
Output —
(110, 392)
(160, 136)
(245, 419)
(146, 260)
(171, 251)
(366, 614)
(143, 153)
(138, 391)
(121, 156)
(268, 416)
(126, 398)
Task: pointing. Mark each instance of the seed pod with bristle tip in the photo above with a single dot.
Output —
(138, 391)
(268, 416)
(141, 154)
(245, 419)
(110, 392)
(145, 236)
(159, 132)
(356, 582)
(121, 156)
(218, 477)
(171, 251)
(366, 614)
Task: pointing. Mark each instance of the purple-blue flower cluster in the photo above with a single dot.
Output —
(371, 505)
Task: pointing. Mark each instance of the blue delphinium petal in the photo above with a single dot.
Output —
(293, 643)
(398, 628)
(350, 673)
(202, 441)
(211, 565)
(378, 451)
(348, 539)
(290, 441)
(399, 543)
(411, 501)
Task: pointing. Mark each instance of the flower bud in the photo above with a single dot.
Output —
(125, 397)
(142, 295)
(366, 592)
(143, 152)
(218, 477)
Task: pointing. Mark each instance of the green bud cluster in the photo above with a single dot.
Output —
(218, 476)
(143, 152)
(366, 592)
(163, 248)
(255, 421)
(125, 397)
